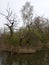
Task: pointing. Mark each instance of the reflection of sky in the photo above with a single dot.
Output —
(41, 7)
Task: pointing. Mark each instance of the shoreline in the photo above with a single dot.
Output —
(18, 49)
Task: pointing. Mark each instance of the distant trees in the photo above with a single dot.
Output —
(35, 31)
(38, 22)
(34, 28)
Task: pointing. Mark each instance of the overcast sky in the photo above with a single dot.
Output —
(41, 7)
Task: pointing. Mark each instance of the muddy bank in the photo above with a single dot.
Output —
(18, 49)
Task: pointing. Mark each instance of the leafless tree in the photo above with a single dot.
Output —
(40, 22)
(11, 20)
(27, 13)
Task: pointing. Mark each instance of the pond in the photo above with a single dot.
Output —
(38, 58)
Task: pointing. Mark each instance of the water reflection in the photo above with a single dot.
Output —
(38, 58)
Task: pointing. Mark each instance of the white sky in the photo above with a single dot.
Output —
(41, 7)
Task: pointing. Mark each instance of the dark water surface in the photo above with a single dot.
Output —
(38, 58)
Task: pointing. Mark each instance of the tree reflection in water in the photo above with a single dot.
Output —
(38, 58)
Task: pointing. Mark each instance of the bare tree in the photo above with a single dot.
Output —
(40, 22)
(27, 13)
(11, 20)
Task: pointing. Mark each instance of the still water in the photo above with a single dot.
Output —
(38, 58)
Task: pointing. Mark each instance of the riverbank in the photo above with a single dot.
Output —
(17, 49)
